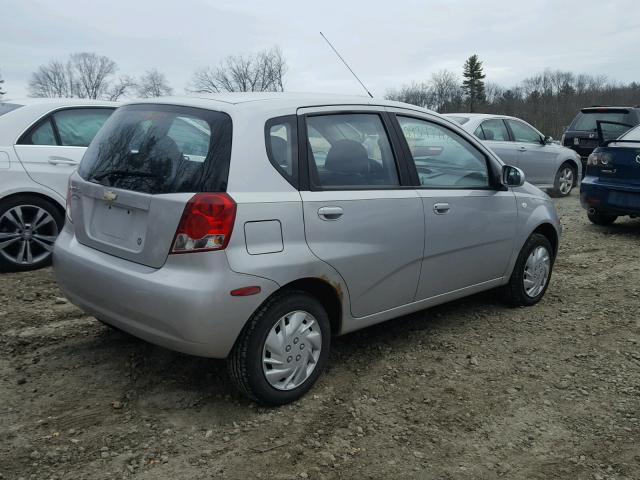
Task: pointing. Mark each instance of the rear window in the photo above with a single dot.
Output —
(8, 107)
(460, 120)
(586, 122)
(161, 149)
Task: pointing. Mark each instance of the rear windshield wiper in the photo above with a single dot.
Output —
(121, 173)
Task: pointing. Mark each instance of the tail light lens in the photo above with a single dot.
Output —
(67, 206)
(599, 159)
(206, 223)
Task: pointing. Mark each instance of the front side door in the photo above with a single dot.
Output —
(469, 224)
(359, 218)
(538, 161)
(52, 149)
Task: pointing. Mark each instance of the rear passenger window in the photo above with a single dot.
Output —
(77, 127)
(350, 150)
(493, 130)
(282, 146)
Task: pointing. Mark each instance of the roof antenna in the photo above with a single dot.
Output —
(346, 64)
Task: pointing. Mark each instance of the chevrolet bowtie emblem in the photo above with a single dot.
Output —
(109, 196)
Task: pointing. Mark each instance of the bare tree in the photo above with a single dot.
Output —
(447, 93)
(419, 94)
(83, 75)
(121, 87)
(260, 72)
(92, 74)
(153, 84)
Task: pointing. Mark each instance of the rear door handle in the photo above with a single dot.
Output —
(330, 213)
(55, 160)
(522, 149)
(441, 208)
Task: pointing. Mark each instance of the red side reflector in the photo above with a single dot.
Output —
(245, 291)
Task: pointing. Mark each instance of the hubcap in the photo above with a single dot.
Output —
(536, 271)
(566, 180)
(27, 234)
(291, 350)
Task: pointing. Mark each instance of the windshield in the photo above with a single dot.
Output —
(633, 134)
(161, 149)
(586, 122)
(8, 107)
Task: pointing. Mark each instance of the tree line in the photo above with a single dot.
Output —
(549, 100)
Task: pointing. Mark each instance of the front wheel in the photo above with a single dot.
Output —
(564, 181)
(532, 272)
(600, 218)
(282, 350)
(29, 227)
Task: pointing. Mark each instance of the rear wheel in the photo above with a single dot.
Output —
(29, 227)
(600, 218)
(282, 350)
(532, 272)
(565, 180)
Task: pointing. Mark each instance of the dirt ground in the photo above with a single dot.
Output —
(468, 390)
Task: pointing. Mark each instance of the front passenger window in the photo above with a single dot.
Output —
(350, 150)
(524, 133)
(443, 158)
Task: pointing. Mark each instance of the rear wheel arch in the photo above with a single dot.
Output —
(39, 195)
(328, 295)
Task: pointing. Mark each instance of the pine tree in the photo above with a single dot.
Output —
(473, 85)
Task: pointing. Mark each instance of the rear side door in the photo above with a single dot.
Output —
(53, 147)
(537, 160)
(495, 135)
(360, 215)
(470, 223)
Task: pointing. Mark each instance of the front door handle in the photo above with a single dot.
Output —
(441, 208)
(522, 149)
(330, 213)
(55, 160)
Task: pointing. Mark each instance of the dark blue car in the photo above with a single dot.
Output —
(611, 186)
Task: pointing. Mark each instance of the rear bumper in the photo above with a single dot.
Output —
(184, 306)
(609, 198)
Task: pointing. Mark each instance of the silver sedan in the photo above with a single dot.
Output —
(545, 163)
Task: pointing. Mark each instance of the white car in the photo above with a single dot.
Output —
(41, 143)
(545, 163)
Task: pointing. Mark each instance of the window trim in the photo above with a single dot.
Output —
(492, 168)
(49, 116)
(294, 178)
(305, 184)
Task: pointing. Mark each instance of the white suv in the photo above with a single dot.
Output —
(41, 142)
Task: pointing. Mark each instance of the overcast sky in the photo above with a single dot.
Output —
(387, 43)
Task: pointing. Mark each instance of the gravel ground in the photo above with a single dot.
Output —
(468, 390)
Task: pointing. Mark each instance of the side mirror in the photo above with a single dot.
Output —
(548, 140)
(512, 176)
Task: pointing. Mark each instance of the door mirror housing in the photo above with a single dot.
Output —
(512, 176)
(547, 140)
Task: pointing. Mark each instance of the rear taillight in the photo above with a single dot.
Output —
(206, 223)
(599, 159)
(68, 202)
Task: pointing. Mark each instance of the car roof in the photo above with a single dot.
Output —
(15, 122)
(478, 116)
(274, 101)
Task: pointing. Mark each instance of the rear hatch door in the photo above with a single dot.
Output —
(582, 134)
(139, 173)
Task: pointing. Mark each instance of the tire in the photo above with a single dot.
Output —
(25, 244)
(518, 292)
(565, 180)
(251, 359)
(600, 218)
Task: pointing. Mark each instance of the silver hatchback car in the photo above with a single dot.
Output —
(255, 227)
